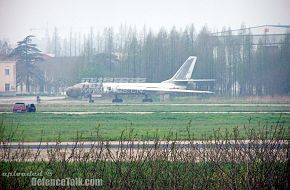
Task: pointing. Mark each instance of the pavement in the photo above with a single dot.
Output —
(151, 112)
(195, 151)
(62, 99)
(144, 144)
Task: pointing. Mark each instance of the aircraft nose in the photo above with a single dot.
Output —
(69, 92)
(73, 92)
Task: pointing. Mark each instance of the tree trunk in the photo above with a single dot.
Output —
(27, 84)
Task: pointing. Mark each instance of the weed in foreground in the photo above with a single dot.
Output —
(219, 161)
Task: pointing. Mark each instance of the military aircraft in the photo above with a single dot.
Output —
(176, 84)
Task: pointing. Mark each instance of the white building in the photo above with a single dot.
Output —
(7, 77)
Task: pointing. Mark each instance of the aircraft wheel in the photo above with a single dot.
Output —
(147, 100)
(117, 100)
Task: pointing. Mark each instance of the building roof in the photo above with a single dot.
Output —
(3, 60)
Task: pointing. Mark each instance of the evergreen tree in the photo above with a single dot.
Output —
(27, 55)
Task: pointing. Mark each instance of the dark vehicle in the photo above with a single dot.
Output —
(19, 107)
(30, 108)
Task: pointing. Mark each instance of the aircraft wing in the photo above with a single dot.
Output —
(180, 91)
(169, 90)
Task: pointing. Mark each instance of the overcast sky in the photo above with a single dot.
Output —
(18, 16)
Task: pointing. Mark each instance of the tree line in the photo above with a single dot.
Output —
(243, 63)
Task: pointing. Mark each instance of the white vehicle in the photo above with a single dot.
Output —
(177, 84)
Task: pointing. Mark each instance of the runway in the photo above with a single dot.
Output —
(196, 104)
(62, 100)
(197, 151)
(145, 144)
(161, 112)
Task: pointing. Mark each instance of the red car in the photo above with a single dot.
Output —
(19, 107)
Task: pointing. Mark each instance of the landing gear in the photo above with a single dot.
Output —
(91, 99)
(37, 99)
(146, 99)
(117, 100)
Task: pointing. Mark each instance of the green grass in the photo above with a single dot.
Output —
(156, 108)
(231, 99)
(34, 126)
(94, 107)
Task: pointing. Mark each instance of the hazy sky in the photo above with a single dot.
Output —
(18, 16)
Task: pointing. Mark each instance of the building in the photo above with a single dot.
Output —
(7, 77)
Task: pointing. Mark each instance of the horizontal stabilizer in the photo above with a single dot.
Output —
(195, 80)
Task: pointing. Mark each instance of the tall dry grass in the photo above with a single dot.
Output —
(219, 161)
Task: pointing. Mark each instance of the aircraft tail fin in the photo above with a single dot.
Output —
(185, 71)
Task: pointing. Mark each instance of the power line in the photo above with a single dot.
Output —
(254, 27)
